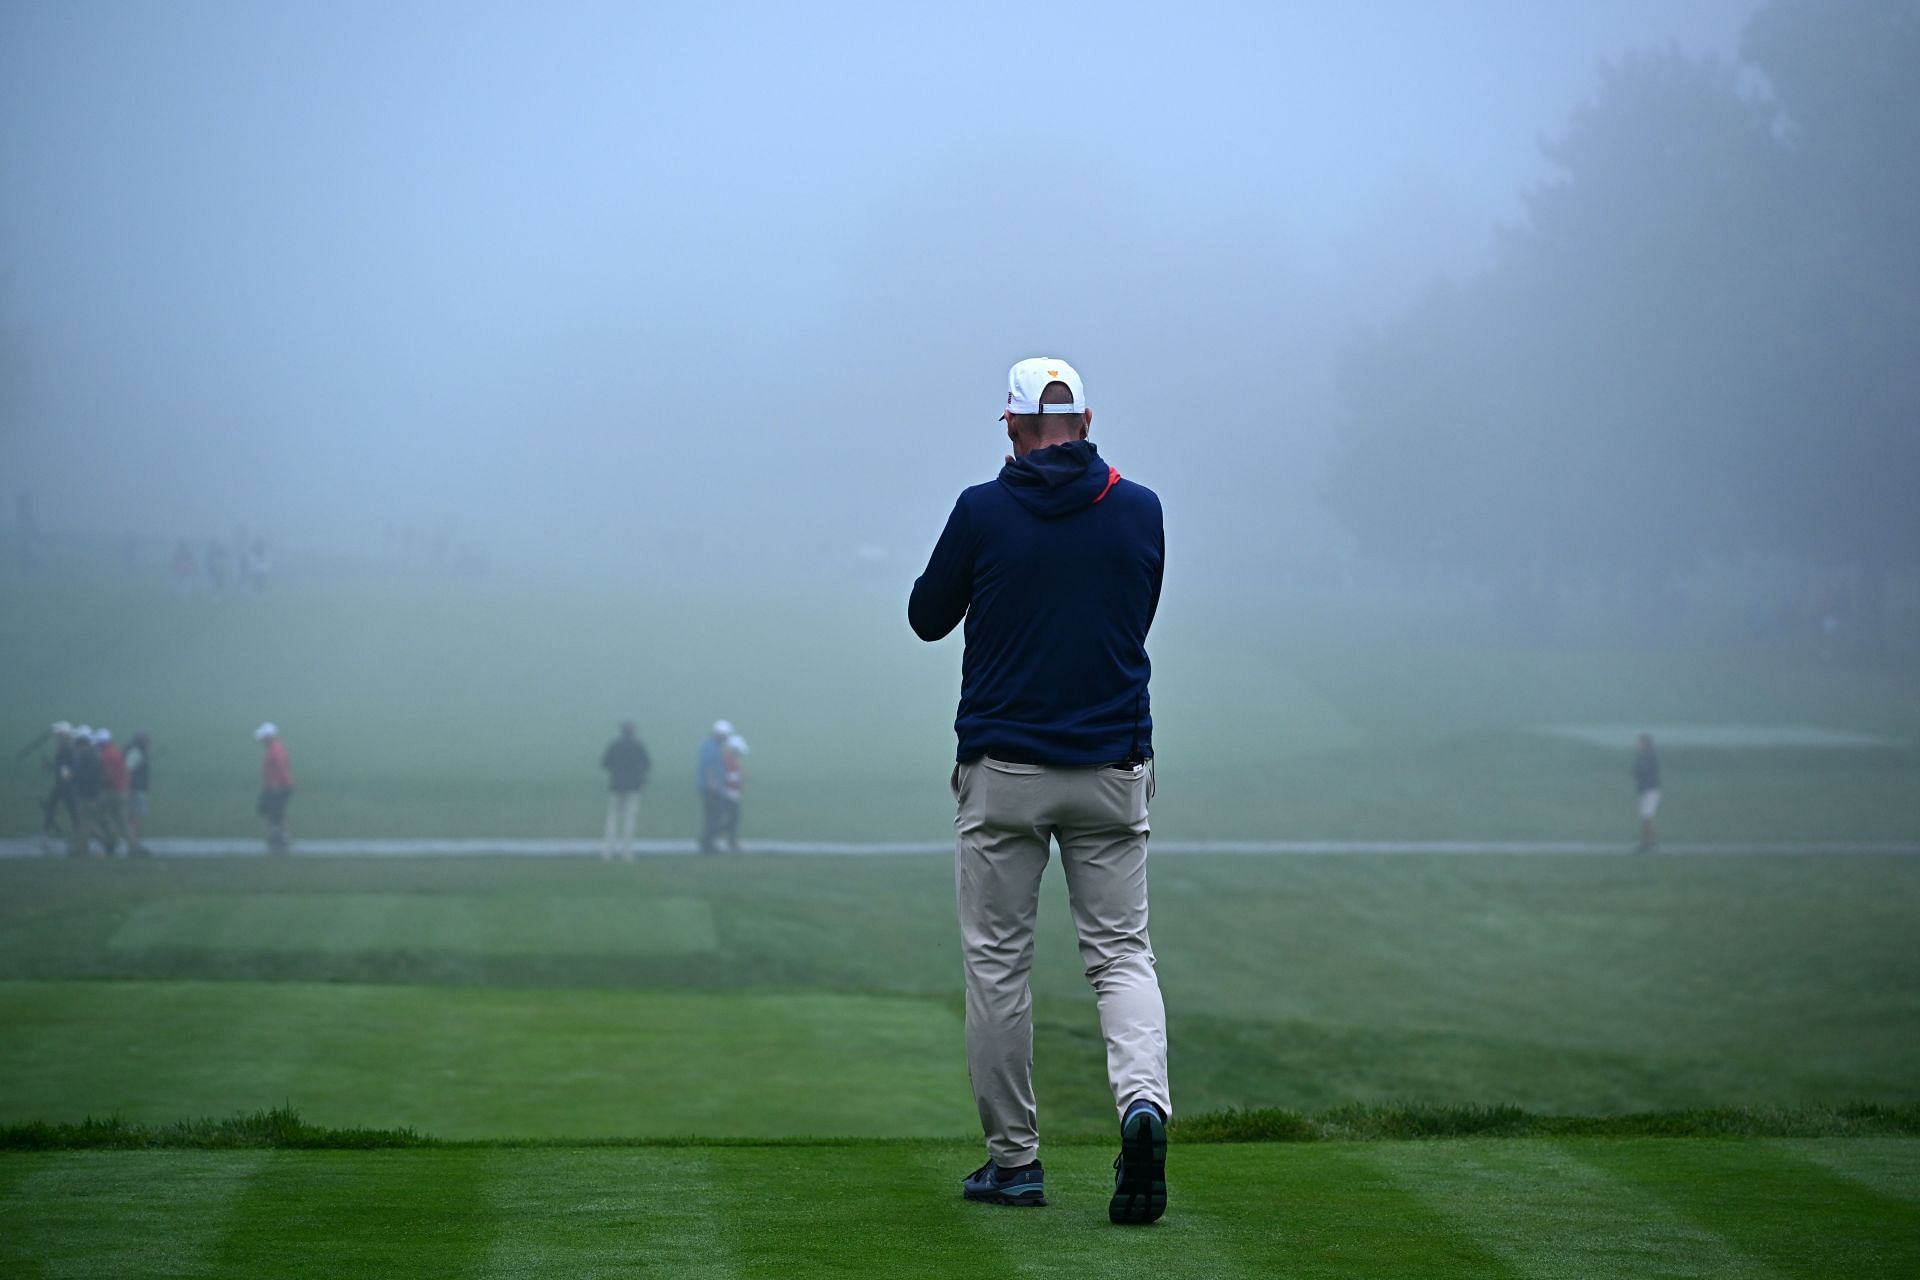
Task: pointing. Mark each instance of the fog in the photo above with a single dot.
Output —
(612, 283)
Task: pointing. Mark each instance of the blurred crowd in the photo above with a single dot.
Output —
(97, 797)
(99, 791)
(240, 568)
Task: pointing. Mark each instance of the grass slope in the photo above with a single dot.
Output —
(419, 706)
(475, 1062)
(492, 997)
(1790, 1208)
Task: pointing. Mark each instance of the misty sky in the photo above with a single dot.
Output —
(582, 277)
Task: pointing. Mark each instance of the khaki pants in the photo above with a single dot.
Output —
(623, 811)
(1007, 815)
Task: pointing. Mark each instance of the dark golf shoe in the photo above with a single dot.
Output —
(990, 1184)
(1140, 1170)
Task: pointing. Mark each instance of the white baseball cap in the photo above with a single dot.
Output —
(267, 730)
(1027, 379)
(722, 728)
(62, 728)
(103, 735)
(84, 732)
(738, 743)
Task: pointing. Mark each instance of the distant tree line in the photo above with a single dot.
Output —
(1703, 339)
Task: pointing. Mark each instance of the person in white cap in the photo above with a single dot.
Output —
(60, 796)
(88, 781)
(276, 786)
(111, 823)
(1055, 567)
(711, 777)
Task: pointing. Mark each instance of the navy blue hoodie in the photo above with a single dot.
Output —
(1055, 565)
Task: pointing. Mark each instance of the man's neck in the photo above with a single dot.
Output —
(1044, 444)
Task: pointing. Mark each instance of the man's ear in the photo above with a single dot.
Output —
(1086, 422)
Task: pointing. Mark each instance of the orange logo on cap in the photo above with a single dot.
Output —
(1053, 373)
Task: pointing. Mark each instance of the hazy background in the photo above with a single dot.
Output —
(1519, 378)
(736, 284)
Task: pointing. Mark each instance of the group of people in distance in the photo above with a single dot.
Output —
(100, 790)
(243, 570)
(721, 777)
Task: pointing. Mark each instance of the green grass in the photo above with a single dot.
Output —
(283, 1128)
(490, 997)
(1599, 1006)
(478, 1062)
(345, 923)
(420, 706)
(1575, 1207)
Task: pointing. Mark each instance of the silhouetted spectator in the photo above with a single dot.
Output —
(217, 566)
(185, 567)
(139, 776)
(276, 786)
(60, 798)
(255, 567)
(1646, 786)
(628, 766)
(112, 824)
(87, 783)
(711, 778)
(733, 782)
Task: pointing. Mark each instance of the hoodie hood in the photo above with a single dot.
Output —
(1059, 479)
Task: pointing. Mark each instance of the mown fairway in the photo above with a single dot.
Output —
(761, 998)
(419, 706)
(1689, 1207)
(785, 996)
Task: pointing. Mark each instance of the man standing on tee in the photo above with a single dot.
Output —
(627, 764)
(1055, 567)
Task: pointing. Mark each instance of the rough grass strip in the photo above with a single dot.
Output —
(282, 1129)
(1403, 1122)
(279, 1128)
